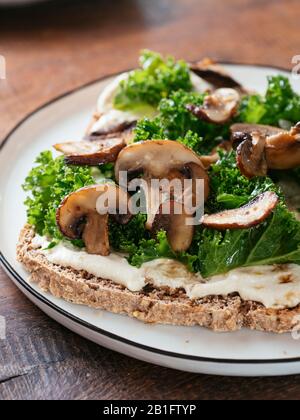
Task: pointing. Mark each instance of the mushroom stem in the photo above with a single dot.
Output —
(159, 161)
(172, 218)
(96, 228)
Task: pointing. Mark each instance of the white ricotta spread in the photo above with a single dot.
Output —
(273, 286)
(106, 98)
(113, 267)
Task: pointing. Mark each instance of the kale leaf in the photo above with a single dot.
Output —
(279, 107)
(49, 182)
(276, 241)
(175, 122)
(155, 80)
(230, 189)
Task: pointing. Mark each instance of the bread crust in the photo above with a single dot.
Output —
(162, 306)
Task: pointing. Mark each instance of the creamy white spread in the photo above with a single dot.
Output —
(113, 267)
(106, 98)
(273, 286)
(111, 118)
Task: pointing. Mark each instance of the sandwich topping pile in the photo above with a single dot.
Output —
(175, 121)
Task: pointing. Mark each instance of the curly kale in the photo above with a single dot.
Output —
(49, 182)
(175, 122)
(155, 80)
(276, 241)
(279, 107)
(230, 189)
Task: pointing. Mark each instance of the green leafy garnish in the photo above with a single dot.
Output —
(230, 189)
(175, 122)
(276, 241)
(279, 107)
(49, 183)
(155, 80)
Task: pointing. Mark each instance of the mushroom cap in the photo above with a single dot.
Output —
(241, 128)
(179, 232)
(81, 215)
(219, 107)
(156, 158)
(91, 153)
(161, 159)
(250, 154)
(283, 149)
(214, 74)
(252, 214)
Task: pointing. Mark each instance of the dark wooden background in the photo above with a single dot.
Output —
(53, 48)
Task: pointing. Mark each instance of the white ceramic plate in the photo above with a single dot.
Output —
(244, 353)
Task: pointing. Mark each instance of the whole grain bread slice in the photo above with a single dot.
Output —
(151, 305)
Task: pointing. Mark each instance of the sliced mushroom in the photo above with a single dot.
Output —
(214, 74)
(83, 215)
(266, 130)
(126, 135)
(283, 149)
(91, 153)
(244, 217)
(264, 147)
(172, 218)
(219, 107)
(161, 160)
(251, 157)
(113, 121)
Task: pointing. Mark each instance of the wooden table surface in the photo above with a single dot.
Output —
(53, 48)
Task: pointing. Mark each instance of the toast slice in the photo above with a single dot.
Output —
(163, 306)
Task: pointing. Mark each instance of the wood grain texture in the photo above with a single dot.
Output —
(53, 48)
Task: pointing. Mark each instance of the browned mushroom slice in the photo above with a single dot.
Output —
(83, 215)
(240, 128)
(125, 132)
(126, 136)
(219, 107)
(251, 157)
(161, 160)
(283, 149)
(214, 74)
(244, 217)
(172, 218)
(91, 153)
